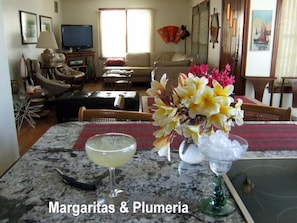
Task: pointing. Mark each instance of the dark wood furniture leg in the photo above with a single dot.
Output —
(259, 84)
(293, 82)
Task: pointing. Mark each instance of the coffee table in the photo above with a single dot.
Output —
(118, 77)
(68, 104)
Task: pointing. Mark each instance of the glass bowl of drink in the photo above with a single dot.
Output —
(111, 150)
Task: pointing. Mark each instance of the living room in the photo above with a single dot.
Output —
(36, 189)
(67, 11)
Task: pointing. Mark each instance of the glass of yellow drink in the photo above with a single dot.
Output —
(111, 150)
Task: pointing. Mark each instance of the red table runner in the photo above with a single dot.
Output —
(259, 136)
(143, 133)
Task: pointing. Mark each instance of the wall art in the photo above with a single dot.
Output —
(261, 30)
(28, 22)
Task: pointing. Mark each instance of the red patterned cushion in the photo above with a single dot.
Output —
(115, 62)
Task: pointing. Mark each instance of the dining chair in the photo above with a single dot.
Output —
(105, 115)
(259, 84)
(256, 112)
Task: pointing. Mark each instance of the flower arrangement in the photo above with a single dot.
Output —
(200, 104)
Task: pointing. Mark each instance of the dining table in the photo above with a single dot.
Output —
(159, 190)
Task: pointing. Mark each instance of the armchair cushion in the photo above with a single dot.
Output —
(63, 70)
(179, 57)
(58, 59)
(68, 71)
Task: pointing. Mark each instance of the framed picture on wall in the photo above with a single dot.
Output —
(28, 22)
(46, 23)
(261, 30)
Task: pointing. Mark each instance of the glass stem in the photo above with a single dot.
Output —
(113, 192)
(219, 199)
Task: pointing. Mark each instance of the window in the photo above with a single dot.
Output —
(124, 30)
(286, 65)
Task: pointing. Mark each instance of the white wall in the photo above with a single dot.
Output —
(11, 22)
(11, 51)
(259, 62)
(253, 68)
(167, 12)
(9, 151)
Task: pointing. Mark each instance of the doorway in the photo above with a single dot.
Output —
(200, 24)
(233, 40)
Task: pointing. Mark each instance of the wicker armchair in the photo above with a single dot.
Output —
(65, 73)
(53, 87)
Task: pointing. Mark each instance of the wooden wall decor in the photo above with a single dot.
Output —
(214, 28)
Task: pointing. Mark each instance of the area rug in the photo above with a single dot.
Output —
(260, 137)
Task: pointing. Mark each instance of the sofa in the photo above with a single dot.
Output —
(172, 73)
(143, 64)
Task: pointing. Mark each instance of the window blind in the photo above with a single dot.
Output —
(286, 63)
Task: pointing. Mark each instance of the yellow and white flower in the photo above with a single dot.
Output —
(210, 105)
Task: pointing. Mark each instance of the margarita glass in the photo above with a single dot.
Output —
(221, 150)
(111, 150)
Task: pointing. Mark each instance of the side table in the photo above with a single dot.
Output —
(118, 77)
(28, 106)
(23, 110)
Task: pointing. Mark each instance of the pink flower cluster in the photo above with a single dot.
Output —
(223, 77)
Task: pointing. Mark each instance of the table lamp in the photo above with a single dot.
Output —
(48, 41)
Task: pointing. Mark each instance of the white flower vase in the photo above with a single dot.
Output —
(189, 152)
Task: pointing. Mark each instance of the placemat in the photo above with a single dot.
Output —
(142, 132)
(268, 136)
(259, 136)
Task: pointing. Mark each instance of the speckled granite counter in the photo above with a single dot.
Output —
(31, 184)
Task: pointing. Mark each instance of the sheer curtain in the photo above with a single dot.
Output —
(112, 33)
(286, 64)
(124, 30)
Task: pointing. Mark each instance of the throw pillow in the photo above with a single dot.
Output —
(115, 62)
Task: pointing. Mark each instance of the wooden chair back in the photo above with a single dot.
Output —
(256, 112)
(105, 115)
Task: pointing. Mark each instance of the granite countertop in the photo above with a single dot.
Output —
(28, 188)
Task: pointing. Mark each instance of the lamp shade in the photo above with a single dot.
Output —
(47, 40)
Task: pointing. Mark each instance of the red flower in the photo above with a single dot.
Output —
(223, 77)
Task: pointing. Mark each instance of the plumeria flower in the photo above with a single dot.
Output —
(157, 87)
(239, 114)
(219, 90)
(198, 105)
(204, 103)
(191, 131)
(169, 124)
(162, 145)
